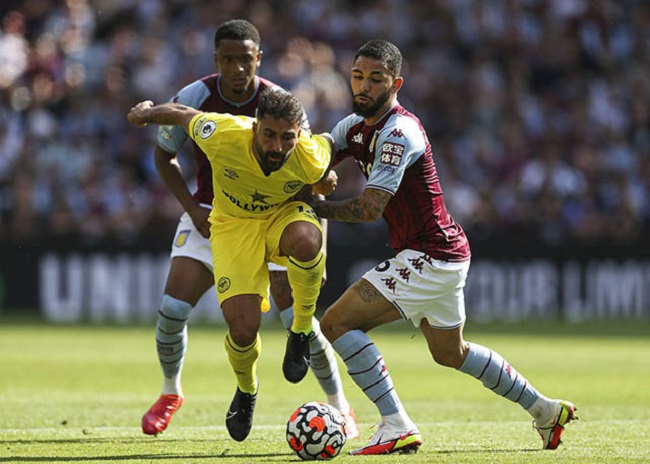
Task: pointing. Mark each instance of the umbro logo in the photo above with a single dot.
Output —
(231, 414)
(358, 138)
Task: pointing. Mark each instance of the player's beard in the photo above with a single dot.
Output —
(371, 109)
(270, 165)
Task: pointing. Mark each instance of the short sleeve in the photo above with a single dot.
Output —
(172, 138)
(398, 146)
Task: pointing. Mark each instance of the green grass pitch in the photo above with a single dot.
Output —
(76, 394)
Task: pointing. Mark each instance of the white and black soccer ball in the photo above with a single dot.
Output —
(316, 431)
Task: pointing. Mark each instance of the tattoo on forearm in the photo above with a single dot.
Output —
(367, 207)
(346, 210)
(367, 292)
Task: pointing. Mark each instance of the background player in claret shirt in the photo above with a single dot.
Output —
(424, 281)
(235, 90)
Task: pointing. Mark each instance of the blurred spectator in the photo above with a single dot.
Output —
(539, 110)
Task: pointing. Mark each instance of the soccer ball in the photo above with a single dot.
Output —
(316, 431)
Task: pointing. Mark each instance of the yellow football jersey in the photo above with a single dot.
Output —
(241, 189)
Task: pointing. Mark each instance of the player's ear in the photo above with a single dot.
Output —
(397, 84)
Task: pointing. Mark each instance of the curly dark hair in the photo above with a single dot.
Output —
(279, 104)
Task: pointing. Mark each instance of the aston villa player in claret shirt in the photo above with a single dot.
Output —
(424, 281)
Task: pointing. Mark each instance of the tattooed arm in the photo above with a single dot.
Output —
(367, 207)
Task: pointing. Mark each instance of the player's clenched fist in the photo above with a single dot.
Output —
(139, 114)
(326, 185)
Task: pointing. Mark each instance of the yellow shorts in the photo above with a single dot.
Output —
(241, 249)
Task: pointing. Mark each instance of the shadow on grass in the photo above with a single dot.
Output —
(102, 440)
(486, 451)
(152, 457)
(281, 457)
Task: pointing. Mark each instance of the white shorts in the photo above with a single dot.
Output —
(421, 287)
(188, 242)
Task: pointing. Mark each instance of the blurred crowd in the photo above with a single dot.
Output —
(538, 111)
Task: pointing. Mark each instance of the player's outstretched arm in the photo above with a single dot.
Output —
(168, 114)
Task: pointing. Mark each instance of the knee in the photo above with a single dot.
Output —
(242, 335)
(330, 327)
(307, 249)
(303, 241)
(243, 316)
(243, 330)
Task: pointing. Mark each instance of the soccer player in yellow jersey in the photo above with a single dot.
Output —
(258, 167)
